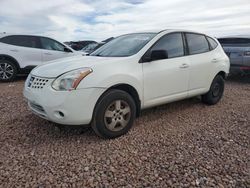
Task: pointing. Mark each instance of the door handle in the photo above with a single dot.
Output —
(14, 50)
(47, 53)
(214, 60)
(184, 65)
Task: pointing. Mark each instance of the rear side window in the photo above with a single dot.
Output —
(21, 40)
(50, 44)
(212, 42)
(172, 43)
(197, 43)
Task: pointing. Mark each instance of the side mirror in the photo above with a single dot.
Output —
(158, 55)
(67, 50)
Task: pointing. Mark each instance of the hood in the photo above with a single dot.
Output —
(57, 67)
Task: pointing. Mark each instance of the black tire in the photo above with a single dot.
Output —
(216, 91)
(7, 74)
(108, 103)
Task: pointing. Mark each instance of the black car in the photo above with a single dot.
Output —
(78, 45)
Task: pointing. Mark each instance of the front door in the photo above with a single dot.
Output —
(167, 79)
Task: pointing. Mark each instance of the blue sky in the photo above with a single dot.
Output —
(100, 19)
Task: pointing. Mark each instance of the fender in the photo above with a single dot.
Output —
(4, 56)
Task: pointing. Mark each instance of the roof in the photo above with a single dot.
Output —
(8, 34)
(235, 36)
(3, 34)
(165, 30)
(24, 34)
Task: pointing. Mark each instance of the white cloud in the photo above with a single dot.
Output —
(100, 19)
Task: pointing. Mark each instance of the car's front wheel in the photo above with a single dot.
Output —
(216, 91)
(114, 114)
(8, 70)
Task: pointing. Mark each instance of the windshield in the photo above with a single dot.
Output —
(124, 46)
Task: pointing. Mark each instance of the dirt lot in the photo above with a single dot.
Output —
(181, 144)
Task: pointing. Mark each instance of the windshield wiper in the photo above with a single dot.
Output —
(98, 55)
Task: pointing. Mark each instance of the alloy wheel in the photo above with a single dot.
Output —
(6, 71)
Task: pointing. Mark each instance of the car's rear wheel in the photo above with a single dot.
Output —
(114, 114)
(8, 70)
(216, 91)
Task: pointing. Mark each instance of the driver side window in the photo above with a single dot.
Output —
(172, 43)
(49, 44)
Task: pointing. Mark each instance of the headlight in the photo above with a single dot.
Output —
(70, 80)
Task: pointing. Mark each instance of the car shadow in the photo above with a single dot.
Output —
(41, 131)
(245, 79)
(58, 132)
(155, 113)
(19, 78)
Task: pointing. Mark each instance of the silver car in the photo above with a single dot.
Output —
(238, 50)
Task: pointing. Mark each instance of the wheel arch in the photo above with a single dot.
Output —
(223, 74)
(131, 91)
(210, 81)
(128, 89)
(12, 59)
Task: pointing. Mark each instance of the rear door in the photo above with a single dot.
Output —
(25, 49)
(202, 62)
(52, 49)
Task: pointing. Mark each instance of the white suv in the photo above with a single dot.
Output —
(132, 72)
(21, 53)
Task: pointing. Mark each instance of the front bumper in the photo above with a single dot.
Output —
(63, 107)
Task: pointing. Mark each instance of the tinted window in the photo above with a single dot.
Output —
(197, 43)
(50, 44)
(212, 42)
(20, 40)
(125, 45)
(90, 47)
(235, 41)
(172, 43)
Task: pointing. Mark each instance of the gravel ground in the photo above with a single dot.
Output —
(183, 144)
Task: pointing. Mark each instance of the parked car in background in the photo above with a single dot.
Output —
(238, 50)
(108, 88)
(91, 47)
(78, 45)
(21, 53)
(107, 40)
(94, 46)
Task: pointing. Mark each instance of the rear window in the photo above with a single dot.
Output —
(197, 43)
(21, 40)
(212, 42)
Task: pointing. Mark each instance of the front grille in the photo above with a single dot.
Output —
(37, 82)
